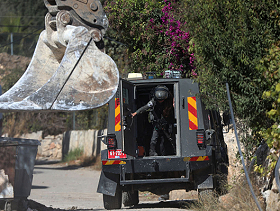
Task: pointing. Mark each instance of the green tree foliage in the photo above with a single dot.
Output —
(29, 13)
(230, 38)
(9, 24)
(153, 32)
(118, 52)
(25, 19)
(271, 67)
(128, 21)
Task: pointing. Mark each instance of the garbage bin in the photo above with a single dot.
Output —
(17, 159)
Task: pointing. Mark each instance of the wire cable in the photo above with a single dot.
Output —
(14, 42)
(13, 26)
(277, 174)
(239, 149)
(7, 16)
(77, 62)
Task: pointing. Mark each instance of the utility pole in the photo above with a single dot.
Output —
(74, 120)
(12, 44)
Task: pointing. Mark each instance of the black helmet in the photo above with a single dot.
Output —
(161, 93)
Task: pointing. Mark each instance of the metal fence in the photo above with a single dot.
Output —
(19, 43)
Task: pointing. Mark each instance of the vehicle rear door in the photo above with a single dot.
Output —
(128, 126)
(191, 118)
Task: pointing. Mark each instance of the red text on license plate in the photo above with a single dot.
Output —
(112, 154)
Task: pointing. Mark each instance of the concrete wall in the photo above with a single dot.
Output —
(88, 140)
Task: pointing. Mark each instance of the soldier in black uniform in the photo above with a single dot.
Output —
(161, 114)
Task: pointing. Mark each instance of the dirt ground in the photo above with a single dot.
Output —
(10, 62)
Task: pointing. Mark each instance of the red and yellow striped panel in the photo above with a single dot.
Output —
(198, 158)
(192, 111)
(112, 162)
(117, 115)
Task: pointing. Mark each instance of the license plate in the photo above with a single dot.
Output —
(112, 154)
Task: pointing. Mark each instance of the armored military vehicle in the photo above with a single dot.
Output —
(199, 158)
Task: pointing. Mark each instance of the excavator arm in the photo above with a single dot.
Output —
(69, 70)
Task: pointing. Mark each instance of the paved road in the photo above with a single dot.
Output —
(60, 186)
(57, 186)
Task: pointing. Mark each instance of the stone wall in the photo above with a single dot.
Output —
(235, 170)
(55, 147)
(235, 166)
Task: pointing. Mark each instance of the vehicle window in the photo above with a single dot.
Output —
(125, 96)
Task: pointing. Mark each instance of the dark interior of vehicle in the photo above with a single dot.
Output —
(145, 126)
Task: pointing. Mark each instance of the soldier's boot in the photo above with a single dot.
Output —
(152, 151)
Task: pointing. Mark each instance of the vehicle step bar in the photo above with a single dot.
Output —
(131, 182)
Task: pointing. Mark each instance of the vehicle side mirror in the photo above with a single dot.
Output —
(209, 133)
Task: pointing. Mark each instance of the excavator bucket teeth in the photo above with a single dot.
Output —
(85, 78)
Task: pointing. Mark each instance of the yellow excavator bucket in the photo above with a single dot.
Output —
(69, 70)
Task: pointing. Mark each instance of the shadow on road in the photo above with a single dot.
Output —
(72, 167)
(53, 165)
(40, 207)
(181, 204)
(165, 204)
(39, 187)
(39, 162)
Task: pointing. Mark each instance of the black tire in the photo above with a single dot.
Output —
(130, 198)
(20, 205)
(113, 202)
(221, 173)
(220, 178)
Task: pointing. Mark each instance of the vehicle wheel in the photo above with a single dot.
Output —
(130, 198)
(220, 183)
(221, 173)
(22, 205)
(220, 178)
(113, 202)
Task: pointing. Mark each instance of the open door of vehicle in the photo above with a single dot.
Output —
(128, 126)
